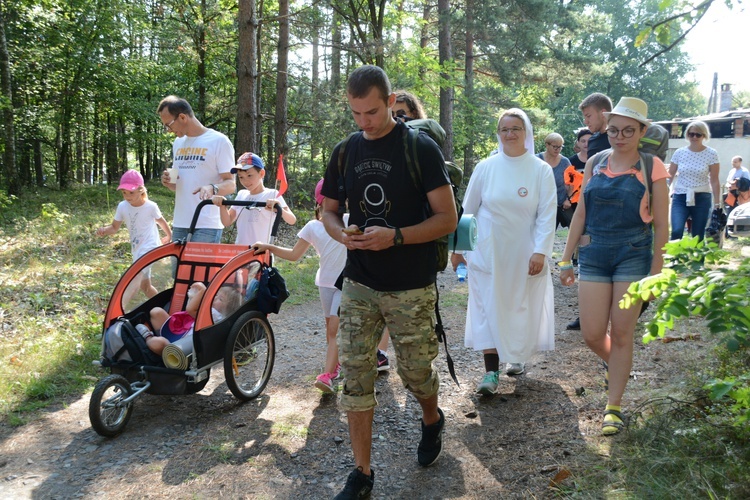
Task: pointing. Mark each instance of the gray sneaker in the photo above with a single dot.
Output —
(488, 385)
(144, 331)
(516, 368)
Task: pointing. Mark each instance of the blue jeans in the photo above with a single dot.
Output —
(203, 235)
(699, 213)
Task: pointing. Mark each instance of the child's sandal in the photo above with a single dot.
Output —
(614, 425)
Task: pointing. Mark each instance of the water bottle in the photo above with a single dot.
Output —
(461, 272)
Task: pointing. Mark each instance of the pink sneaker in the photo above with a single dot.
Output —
(337, 371)
(324, 382)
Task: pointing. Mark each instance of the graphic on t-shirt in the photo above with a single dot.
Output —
(375, 206)
(135, 236)
(189, 153)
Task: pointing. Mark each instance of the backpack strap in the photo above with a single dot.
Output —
(342, 162)
(600, 159)
(441, 337)
(412, 158)
(647, 160)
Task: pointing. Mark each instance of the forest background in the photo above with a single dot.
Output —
(81, 79)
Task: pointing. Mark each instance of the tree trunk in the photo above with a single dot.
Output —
(122, 145)
(469, 90)
(282, 79)
(79, 170)
(446, 87)
(247, 112)
(38, 165)
(201, 50)
(96, 146)
(315, 133)
(110, 162)
(260, 133)
(8, 116)
(63, 155)
(424, 38)
(335, 53)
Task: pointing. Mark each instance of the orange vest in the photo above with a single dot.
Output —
(573, 178)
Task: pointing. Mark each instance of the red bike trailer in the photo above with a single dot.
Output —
(240, 339)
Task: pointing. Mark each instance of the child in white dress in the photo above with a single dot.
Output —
(141, 216)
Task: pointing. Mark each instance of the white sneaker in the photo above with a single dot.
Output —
(516, 368)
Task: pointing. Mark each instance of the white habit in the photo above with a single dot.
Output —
(515, 202)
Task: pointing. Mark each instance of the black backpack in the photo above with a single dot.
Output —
(655, 142)
(124, 344)
(272, 290)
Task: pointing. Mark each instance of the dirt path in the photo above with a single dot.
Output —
(292, 442)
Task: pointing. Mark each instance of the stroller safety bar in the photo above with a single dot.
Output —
(259, 204)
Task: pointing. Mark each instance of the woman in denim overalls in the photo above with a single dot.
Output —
(613, 226)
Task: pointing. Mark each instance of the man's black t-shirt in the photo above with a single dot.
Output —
(380, 192)
(577, 163)
(598, 142)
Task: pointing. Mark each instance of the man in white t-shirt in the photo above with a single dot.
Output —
(204, 158)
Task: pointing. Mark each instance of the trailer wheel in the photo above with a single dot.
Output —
(107, 412)
(249, 356)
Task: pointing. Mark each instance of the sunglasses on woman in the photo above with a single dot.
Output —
(695, 134)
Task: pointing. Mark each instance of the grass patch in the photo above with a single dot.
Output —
(290, 426)
(457, 297)
(300, 279)
(224, 451)
(683, 451)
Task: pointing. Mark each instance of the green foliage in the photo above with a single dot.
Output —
(5, 203)
(614, 67)
(51, 214)
(681, 451)
(701, 280)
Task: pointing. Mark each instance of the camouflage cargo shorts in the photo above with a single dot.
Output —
(410, 318)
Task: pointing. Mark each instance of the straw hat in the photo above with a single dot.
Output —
(631, 107)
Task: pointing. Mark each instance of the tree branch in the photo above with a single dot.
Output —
(680, 38)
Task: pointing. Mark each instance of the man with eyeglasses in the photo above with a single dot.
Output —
(204, 159)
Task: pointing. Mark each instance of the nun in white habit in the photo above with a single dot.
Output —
(511, 305)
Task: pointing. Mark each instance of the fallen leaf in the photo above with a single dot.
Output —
(561, 476)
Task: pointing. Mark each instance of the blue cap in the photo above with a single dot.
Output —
(248, 160)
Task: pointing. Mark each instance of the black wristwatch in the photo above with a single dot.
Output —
(398, 238)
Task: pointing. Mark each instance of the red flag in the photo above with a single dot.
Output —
(281, 177)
